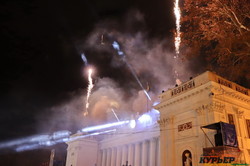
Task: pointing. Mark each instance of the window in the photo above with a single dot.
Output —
(248, 127)
(230, 119)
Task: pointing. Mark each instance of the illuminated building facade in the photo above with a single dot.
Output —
(204, 121)
(129, 146)
(191, 116)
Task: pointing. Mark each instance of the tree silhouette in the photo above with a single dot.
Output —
(219, 30)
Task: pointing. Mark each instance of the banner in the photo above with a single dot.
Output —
(229, 135)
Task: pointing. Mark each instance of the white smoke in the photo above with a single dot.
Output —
(152, 61)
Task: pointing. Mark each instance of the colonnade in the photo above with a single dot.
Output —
(144, 153)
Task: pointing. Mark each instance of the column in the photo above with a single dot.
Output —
(158, 152)
(99, 158)
(108, 157)
(170, 155)
(145, 153)
(124, 154)
(103, 157)
(152, 153)
(137, 154)
(131, 154)
(163, 147)
(113, 156)
(118, 156)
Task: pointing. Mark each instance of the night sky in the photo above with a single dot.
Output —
(41, 46)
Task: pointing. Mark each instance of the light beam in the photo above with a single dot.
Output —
(115, 114)
(117, 47)
(31, 146)
(104, 126)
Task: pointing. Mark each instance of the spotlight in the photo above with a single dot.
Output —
(132, 124)
(145, 119)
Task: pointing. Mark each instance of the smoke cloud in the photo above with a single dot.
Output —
(152, 59)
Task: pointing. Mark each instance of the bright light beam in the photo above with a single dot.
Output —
(115, 114)
(117, 47)
(137, 79)
(90, 87)
(104, 126)
(50, 143)
(177, 13)
(37, 140)
(92, 134)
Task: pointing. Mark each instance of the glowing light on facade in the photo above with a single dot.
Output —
(132, 124)
(145, 119)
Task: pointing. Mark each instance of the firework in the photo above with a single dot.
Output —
(177, 13)
(90, 87)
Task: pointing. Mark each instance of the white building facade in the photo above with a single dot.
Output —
(179, 137)
(128, 147)
(201, 101)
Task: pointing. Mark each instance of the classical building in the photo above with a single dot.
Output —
(204, 121)
(191, 117)
(127, 145)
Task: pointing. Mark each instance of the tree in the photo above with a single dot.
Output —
(219, 30)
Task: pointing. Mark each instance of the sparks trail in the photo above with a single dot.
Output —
(121, 53)
(90, 87)
(177, 13)
(90, 83)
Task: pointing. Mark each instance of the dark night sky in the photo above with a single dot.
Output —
(40, 62)
(41, 66)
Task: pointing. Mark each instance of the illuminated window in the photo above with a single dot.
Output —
(230, 119)
(248, 127)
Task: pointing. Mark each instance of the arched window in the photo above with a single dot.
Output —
(186, 158)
